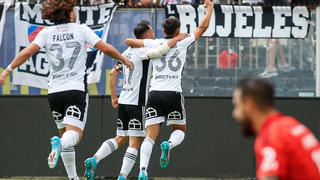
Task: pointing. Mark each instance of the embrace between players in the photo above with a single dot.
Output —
(146, 101)
(159, 99)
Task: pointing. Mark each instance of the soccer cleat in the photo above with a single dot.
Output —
(91, 165)
(165, 154)
(55, 152)
(122, 178)
(142, 176)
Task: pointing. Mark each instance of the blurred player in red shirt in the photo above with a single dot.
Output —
(284, 148)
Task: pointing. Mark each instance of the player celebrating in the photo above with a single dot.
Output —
(285, 149)
(131, 102)
(65, 44)
(165, 101)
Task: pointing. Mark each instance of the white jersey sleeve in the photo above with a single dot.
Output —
(187, 41)
(41, 38)
(91, 38)
(150, 43)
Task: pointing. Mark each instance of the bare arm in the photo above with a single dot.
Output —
(135, 43)
(112, 52)
(22, 57)
(113, 74)
(204, 24)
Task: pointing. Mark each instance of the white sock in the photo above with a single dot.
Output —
(176, 138)
(69, 160)
(106, 149)
(145, 153)
(69, 139)
(128, 161)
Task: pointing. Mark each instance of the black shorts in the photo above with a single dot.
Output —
(69, 107)
(165, 106)
(130, 120)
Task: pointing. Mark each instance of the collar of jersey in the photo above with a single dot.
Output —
(270, 119)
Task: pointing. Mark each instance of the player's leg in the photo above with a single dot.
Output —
(57, 105)
(110, 145)
(136, 132)
(176, 117)
(177, 135)
(154, 118)
(68, 154)
(107, 148)
(130, 157)
(76, 108)
(146, 149)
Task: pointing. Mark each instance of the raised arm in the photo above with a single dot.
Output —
(204, 24)
(22, 57)
(113, 74)
(112, 52)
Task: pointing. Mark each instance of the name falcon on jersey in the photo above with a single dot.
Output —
(62, 37)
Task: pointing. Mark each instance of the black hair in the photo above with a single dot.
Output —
(260, 91)
(170, 26)
(141, 28)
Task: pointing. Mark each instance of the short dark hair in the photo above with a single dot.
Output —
(58, 11)
(260, 90)
(141, 28)
(170, 25)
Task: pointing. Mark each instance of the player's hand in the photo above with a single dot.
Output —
(208, 3)
(129, 64)
(182, 36)
(114, 102)
(3, 77)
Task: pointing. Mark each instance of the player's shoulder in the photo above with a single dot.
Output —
(80, 27)
(48, 29)
(279, 130)
(187, 41)
(284, 123)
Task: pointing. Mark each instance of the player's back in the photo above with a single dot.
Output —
(167, 70)
(66, 52)
(288, 149)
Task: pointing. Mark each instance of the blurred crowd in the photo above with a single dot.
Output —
(161, 3)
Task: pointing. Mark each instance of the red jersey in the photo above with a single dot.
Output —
(287, 149)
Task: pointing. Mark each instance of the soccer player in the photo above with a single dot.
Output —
(285, 149)
(65, 44)
(165, 101)
(131, 103)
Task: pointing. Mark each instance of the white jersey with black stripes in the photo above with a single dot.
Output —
(167, 70)
(134, 82)
(66, 51)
